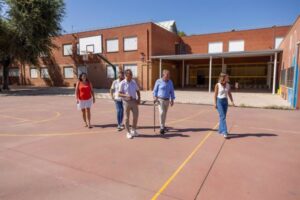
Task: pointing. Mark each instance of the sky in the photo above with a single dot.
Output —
(191, 16)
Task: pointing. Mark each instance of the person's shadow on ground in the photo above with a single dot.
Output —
(105, 125)
(243, 135)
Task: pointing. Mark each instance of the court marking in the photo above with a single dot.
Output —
(179, 169)
(82, 133)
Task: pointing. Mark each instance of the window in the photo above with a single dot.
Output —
(130, 44)
(133, 68)
(237, 45)
(68, 72)
(33, 73)
(81, 69)
(283, 77)
(215, 47)
(67, 48)
(112, 45)
(78, 49)
(278, 41)
(110, 71)
(14, 72)
(45, 73)
(290, 77)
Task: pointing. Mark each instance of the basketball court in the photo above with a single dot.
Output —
(46, 153)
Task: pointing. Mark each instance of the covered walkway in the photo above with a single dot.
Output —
(247, 69)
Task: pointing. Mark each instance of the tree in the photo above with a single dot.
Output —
(27, 30)
(181, 33)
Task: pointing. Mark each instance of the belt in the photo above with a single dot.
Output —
(165, 99)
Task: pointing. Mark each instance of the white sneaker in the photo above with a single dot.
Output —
(225, 136)
(129, 136)
(134, 133)
(119, 128)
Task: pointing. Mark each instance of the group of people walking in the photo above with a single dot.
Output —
(126, 94)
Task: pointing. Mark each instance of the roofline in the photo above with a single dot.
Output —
(253, 29)
(105, 28)
(218, 55)
(292, 25)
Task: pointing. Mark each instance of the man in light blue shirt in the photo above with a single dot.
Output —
(163, 93)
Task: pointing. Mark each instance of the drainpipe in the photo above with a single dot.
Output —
(296, 75)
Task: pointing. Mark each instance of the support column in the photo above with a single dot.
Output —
(187, 74)
(160, 66)
(210, 73)
(274, 74)
(182, 75)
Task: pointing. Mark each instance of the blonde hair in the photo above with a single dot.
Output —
(222, 77)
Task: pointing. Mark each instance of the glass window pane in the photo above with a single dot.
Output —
(133, 68)
(45, 73)
(33, 73)
(110, 72)
(112, 45)
(130, 44)
(67, 49)
(68, 72)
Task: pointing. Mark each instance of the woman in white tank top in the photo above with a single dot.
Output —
(222, 92)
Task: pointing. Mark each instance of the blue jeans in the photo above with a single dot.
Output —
(222, 106)
(120, 111)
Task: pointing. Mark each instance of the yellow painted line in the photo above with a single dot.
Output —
(57, 115)
(54, 134)
(173, 176)
(186, 118)
(16, 118)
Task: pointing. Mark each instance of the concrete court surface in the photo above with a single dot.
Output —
(252, 98)
(47, 154)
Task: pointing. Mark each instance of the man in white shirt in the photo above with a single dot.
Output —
(114, 93)
(130, 93)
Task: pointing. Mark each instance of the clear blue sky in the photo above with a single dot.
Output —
(192, 16)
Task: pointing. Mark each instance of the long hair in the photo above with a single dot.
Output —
(222, 77)
(80, 77)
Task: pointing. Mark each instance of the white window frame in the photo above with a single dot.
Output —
(67, 51)
(65, 74)
(110, 71)
(278, 41)
(130, 44)
(215, 47)
(43, 74)
(36, 74)
(130, 66)
(112, 45)
(13, 71)
(233, 45)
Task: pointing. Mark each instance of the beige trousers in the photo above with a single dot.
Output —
(132, 106)
(163, 106)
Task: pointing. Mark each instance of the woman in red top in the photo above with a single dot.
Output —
(85, 98)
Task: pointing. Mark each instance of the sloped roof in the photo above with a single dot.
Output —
(168, 25)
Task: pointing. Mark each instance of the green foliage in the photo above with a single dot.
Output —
(30, 26)
(181, 33)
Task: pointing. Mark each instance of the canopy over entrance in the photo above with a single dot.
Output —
(185, 58)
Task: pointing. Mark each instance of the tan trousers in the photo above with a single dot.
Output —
(132, 106)
(163, 109)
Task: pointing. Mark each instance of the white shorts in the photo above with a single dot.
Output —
(85, 104)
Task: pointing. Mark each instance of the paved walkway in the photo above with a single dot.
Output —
(242, 99)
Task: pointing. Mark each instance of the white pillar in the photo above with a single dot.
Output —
(160, 63)
(210, 72)
(269, 75)
(187, 74)
(274, 73)
(182, 75)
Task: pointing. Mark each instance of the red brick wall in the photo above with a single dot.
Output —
(256, 39)
(289, 51)
(97, 68)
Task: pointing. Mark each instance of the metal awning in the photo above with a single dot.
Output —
(219, 55)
